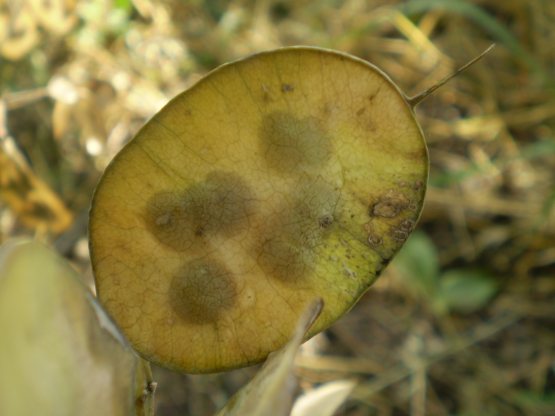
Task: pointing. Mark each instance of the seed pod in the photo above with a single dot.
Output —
(283, 177)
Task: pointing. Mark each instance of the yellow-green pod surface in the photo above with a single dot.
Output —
(289, 175)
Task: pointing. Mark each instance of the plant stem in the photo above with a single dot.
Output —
(413, 101)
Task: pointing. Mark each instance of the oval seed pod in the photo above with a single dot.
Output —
(283, 177)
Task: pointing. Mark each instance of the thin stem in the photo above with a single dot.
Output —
(424, 94)
(144, 401)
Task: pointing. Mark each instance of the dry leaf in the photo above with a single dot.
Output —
(31, 199)
(323, 400)
(271, 391)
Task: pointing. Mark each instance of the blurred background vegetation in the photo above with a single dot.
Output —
(462, 323)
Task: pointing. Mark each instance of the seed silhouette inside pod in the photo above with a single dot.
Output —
(283, 177)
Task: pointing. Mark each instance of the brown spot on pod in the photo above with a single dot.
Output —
(374, 240)
(283, 258)
(166, 219)
(406, 225)
(326, 220)
(221, 204)
(227, 201)
(292, 144)
(287, 88)
(389, 205)
(402, 231)
(399, 235)
(286, 247)
(201, 291)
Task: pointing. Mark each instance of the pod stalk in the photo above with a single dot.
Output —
(413, 101)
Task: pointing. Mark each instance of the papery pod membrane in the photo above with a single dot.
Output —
(60, 354)
(277, 179)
